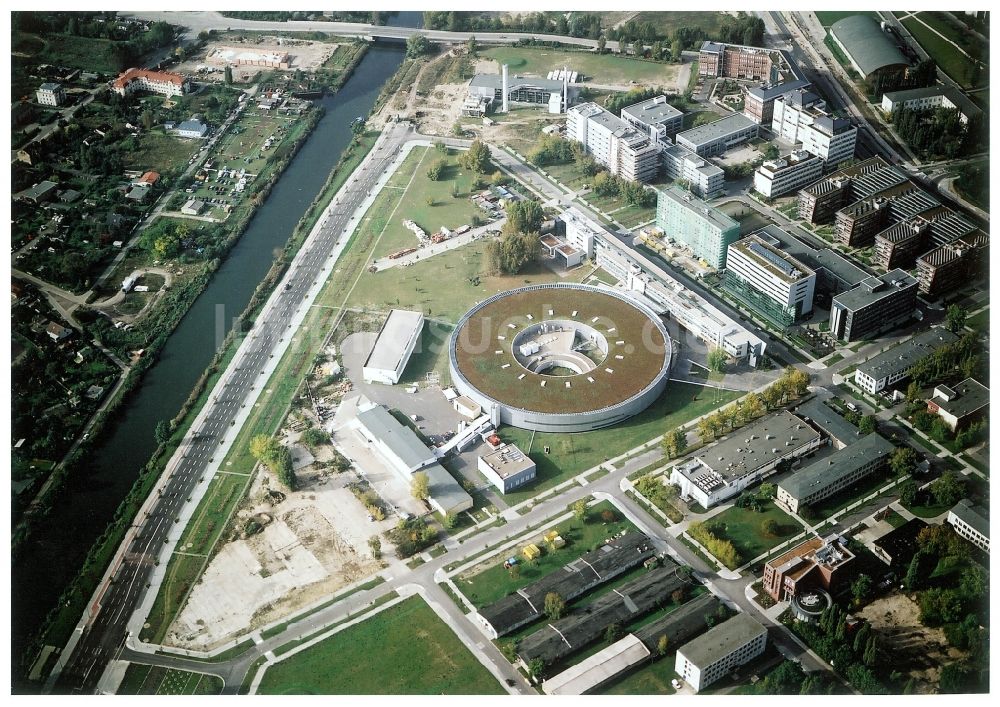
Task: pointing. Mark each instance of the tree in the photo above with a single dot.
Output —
(706, 430)
(948, 490)
(358, 128)
(315, 437)
(555, 606)
(162, 432)
(420, 486)
(753, 406)
(376, 547)
(772, 395)
(608, 516)
(662, 644)
(770, 527)
(472, 46)
(613, 632)
(716, 360)
(602, 42)
(915, 571)
(523, 216)
(535, 667)
(767, 490)
(514, 571)
(416, 46)
(908, 491)
(147, 119)
(435, 171)
(903, 460)
(674, 443)
(228, 74)
(450, 520)
(261, 446)
(912, 392)
(867, 424)
(861, 589)
(477, 158)
(580, 510)
(510, 253)
(956, 317)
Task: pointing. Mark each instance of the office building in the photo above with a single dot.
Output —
(867, 47)
(392, 349)
(625, 151)
(857, 225)
(778, 177)
(720, 651)
(703, 178)
(758, 101)
(50, 94)
(740, 61)
(165, 83)
(655, 117)
(834, 272)
(715, 138)
(688, 220)
(770, 282)
(876, 306)
(818, 563)
(930, 98)
(970, 523)
(960, 405)
(507, 468)
(751, 453)
(894, 365)
(802, 117)
(953, 264)
(831, 475)
(828, 421)
(819, 202)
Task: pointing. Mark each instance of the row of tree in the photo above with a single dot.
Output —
(573, 24)
(962, 354)
(518, 244)
(940, 132)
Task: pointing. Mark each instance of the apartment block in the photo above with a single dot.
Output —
(819, 202)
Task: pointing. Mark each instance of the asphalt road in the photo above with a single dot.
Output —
(106, 632)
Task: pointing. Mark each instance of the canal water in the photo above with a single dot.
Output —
(58, 546)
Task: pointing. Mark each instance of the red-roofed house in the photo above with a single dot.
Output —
(165, 83)
(149, 178)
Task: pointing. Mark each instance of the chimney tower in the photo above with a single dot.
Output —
(503, 88)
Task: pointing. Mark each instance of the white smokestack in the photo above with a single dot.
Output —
(565, 101)
(503, 89)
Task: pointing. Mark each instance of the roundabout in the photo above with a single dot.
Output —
(560, 357)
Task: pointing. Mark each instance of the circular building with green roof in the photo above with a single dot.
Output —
(560, 357)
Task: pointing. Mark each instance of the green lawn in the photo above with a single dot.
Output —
(700, 117)
(742, 527)
(650, 679)
(980, 322)
(572, 453)
(89, 54)
(488, 585)
(828, 18)
(595, 68)
(569, 174)
(927, 510)
(404, 650)
(953, 62)
(894, 519)
(864, 487)
(154, 680)
(160, 152)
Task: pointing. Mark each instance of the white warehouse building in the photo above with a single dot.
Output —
(391, 352)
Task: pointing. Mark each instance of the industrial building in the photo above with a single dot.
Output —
(749, 454)
(688, 220)
(869, 49)
(50, 94)
(778, 177)
(498, 91)
(769, 281)
(802, 117)
(626, 152)
(165, 83)
(818, 563)
(876, 306)
(570, 634)
(681, 624)
(970, 523)
(590, 673)
(391, 352)
(720, 651)
(953, 264)
(894, 365)
(930, 98)
(717, 137)
(704, 179)
(668, 297)
(960, 405)
(507, 468)
(590, 570)
(654, 116)
(404, 454)
(831, 475)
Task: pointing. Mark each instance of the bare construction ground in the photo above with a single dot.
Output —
(917, 650)
(303, 55)
(314, 542)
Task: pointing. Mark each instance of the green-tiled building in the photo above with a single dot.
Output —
(688, 220)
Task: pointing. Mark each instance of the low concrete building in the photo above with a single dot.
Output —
(721, 650)
(507, 468)
(747, 455)
(960, 405)
(828, 477)
(827, 420)
(40, 193)
(817, 563)
(192, 207)
(894, 365)
(929, 98)
(971, 524)
(717, 137)
(391, 352)
(192, 128)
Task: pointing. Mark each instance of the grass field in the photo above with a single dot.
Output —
(742, 527)
(404, 650)
(595, 68)
(952, 61)
(494, 583)
(980, 322)
(829, 18)
(160, 152)
(89, 54)
(572, 453)
(155, 680)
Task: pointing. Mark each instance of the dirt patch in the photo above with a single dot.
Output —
(249, 57)
(918, 651)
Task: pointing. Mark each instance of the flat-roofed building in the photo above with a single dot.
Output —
(802, 117)
(897, 547)
(831, 475)
(769, 281)
(971, 523)
(522, 89)
(930, 98)
(876, 306)
(392, 349)
(654, 116)
(758, 102)
(827, 420)
(818, 563)
(704, 178)
(834, 272)
(894, 365)
(953, 264)
(777, 177)
(624, 150)
(747, 455)
(50, 94)
(719, 651)
(717, 137)
(507, 468)
(960, 405)
(707, 231)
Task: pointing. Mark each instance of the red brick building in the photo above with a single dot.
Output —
(816, 563)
